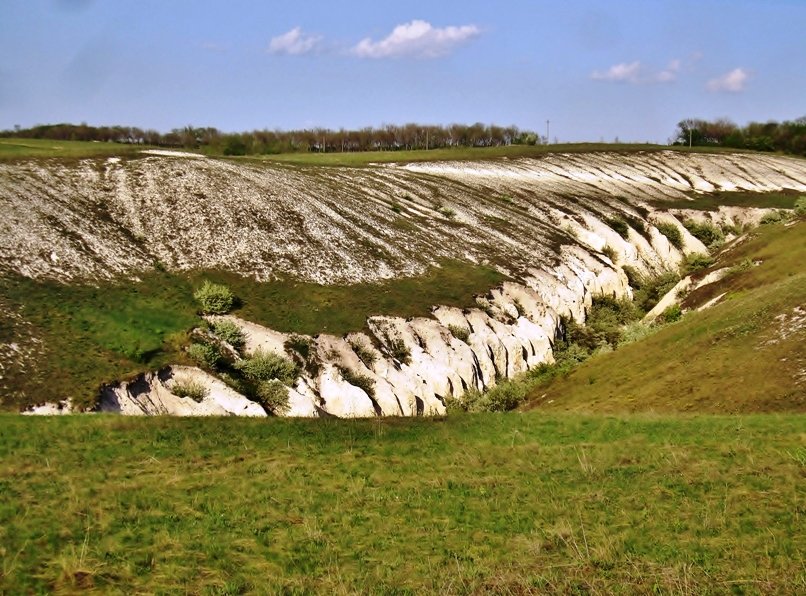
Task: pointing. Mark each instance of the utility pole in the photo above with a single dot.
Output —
(689, 137)
(547, 132)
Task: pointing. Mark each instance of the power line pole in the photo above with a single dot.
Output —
(547, 132)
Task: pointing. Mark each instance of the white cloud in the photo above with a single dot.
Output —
(733, 81)
(635, 73)
(418, 39)
(619, 73)
(294, 42)
(669, 73)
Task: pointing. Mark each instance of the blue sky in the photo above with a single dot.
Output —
(596, 69)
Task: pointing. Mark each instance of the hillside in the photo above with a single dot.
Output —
(409, 283)
(746, 353)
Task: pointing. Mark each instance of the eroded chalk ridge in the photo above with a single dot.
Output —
(409, 367)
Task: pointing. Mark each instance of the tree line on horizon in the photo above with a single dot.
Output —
(385, 138)
(788, 136)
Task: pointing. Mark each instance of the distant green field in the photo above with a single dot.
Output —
(485, 503)
(96, 334)
(465, 153)
(17, 148)
(13, 148)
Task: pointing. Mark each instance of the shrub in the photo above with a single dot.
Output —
(619, 226)
(634, 278)
(460, 332)
(610, 253)
(399, 351)
(266, 366)
(363, 351)
(672, 233)
(189, 388)
(506, 396)
(649, 290)
(695, 262)
(214, 299)
(671, 314)
(772, 217)
(706, 232)
(800, 205)
(635, 331)
(205, 355)
(273, 396)
(361, 381)
(447, 212)
(229, 332)
(396, 207)
(299, 344)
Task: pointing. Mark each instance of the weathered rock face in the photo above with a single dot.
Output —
(103, 218)
(150, 394)
(545, 221)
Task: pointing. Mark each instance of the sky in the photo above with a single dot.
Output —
(596, 70)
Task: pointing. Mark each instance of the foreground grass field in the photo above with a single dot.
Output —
(95, 334)
(506, 503)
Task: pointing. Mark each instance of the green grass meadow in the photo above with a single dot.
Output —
(485, 503)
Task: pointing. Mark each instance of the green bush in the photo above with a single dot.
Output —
(619, 226)
(399, 351)
(460, 332)
(273, 396)
(800, 205)
(299, 344)
(229, 332)
(649, 290)
(695, 262)
(672, 233)
(706, 232)
(361, 381)
(363, 351)
(671, 314)
(205, 355)
(266, 366)
(214, 299)
(189, 388)
(771, 218)
(503, 397)
(635, 331)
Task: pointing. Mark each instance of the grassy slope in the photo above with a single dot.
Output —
(711, 202)
(94, 335)
(507, 503)
(718, 360)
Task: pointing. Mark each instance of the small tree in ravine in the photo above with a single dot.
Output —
(214, 299)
